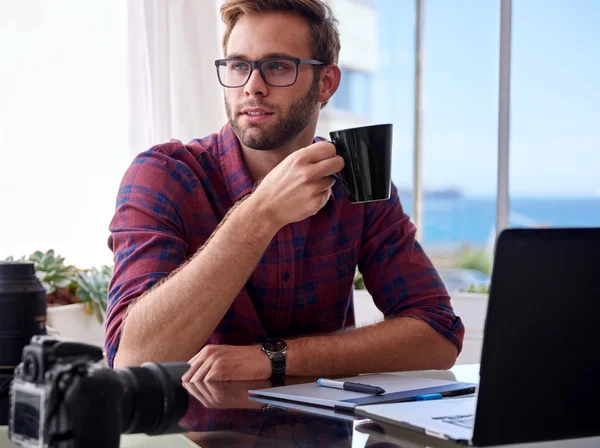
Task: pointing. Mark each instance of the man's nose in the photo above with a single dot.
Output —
(256, 85)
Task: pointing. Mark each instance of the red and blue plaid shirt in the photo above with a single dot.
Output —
(172, 198)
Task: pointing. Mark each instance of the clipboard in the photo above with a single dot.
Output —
(398, 388)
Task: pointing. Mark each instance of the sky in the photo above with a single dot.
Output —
(555, 94)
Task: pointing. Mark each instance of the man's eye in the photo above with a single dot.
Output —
(240, 66)
(277, 65)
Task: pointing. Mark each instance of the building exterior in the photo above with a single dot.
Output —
(353, 103)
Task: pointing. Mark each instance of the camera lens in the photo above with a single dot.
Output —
(154, 400)
(22, 311)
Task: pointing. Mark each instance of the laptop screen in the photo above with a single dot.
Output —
(540, 363)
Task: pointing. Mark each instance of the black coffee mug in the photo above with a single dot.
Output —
(367, 154)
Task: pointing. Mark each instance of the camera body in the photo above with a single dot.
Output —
(62, 396)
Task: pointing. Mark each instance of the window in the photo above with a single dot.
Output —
(63, 126)
(459, 136)
(555, 119)
(460, 131)
(355, 92)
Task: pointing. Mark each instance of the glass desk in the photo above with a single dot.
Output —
(223, 415)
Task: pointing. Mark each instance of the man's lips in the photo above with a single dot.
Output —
(256, 114)
(254, 111)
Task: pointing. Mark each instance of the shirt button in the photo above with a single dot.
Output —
(286, 276)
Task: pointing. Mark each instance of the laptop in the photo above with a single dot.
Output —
(540, 361)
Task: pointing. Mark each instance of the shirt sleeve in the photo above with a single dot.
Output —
(398, 273)
(149, 232)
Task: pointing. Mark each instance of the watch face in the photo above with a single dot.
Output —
(274, 345)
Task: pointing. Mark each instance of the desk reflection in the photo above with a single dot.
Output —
(221, 414)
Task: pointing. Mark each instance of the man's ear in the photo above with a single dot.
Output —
(330, 80)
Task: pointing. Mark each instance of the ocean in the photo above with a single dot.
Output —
(469, 220)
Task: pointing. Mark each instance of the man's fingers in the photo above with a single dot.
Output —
(187, 376)
(318, 151)
(329, 182)
(201, 372)
(330, 166)
(195, 362)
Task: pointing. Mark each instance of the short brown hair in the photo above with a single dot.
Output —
(323, 26)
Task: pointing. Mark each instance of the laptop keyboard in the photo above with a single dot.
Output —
(464, 421)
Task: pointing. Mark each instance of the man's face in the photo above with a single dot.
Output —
(283, 111)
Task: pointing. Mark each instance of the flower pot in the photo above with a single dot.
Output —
(72, 322)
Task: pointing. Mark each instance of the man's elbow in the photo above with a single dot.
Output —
(128, 355)
(448, 360)
(446, 355)
(122, 360)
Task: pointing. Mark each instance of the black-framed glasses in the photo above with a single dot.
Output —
(276, 72)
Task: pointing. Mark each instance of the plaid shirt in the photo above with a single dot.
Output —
(173, 196)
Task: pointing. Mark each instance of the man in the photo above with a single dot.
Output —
(237, 252)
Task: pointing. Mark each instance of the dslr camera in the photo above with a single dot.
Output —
(62, 396)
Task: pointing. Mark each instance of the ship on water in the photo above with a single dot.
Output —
(434, 193)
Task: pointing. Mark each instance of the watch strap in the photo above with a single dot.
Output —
(278, 364)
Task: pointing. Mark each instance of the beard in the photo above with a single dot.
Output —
(286, 127)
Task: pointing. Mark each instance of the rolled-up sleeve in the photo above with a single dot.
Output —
(399, 275)
(149, 230)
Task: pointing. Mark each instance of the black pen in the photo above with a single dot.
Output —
(354, 387)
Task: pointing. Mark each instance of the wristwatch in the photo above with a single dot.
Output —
(275, 350)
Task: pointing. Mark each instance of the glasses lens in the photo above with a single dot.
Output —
(234, 73)
(279, 72)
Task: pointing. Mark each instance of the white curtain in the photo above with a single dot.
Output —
(173, 88)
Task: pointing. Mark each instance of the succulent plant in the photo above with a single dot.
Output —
(65, 284)
(481, 289)
(476, 259)
(52, 271)
(92, 290)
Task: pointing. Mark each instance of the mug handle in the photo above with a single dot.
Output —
(338, 178)
(342, 183)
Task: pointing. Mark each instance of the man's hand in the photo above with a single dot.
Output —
(300, 185)
(227, 363)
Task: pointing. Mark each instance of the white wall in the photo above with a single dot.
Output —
(63, 126)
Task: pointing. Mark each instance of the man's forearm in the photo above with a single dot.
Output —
(173, 320)
(396, 344)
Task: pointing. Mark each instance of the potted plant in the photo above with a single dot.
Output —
(76, 298)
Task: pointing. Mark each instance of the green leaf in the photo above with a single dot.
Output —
(62, 283)
(92, 289)
(50, 289)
